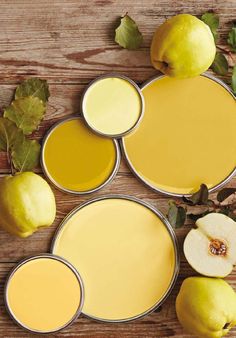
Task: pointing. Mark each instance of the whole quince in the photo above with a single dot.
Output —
(26, 203)
(206, 307)
(183, 46)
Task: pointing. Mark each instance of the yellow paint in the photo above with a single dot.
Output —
(187, 135)
(112, 106)
(44, 294)
(125, 256)
(77, 159)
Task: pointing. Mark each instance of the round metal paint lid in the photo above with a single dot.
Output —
(55, 182)
(165, 224)
(148, 180)
(137, 121)
(28, 260)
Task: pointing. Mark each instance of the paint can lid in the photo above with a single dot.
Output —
(112, 105)
(44, 294)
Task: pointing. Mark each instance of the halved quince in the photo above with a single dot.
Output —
(211, 248)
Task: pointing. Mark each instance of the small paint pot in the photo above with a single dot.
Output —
(44, 294)
(76, 160)
(112, 105)
(127, 253)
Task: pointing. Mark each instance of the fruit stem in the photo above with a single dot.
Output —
(9, 159)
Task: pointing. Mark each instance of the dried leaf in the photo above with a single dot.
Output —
(211, 203)
(26, 112)
(198, 198)
(195, 217)
(33, 87)
(225, 193)
(233, 81)
(8, 134)
(25, 155)
(232, 206)
(232, 216)
(232, 38)
(220, 64)
(212, 20)
(127, 34)
(226, 211)
(176, 215)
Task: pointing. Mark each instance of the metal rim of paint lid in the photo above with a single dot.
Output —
(170, 230)
(150, 185)
(123, 77)
(75, 192)
(25, 261)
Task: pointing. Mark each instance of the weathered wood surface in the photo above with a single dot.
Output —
(69, 43)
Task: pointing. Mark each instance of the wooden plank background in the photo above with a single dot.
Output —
(69, 43)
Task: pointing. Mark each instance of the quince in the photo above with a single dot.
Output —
(183, 46)
(211, 248)
(26, 203)
(206, 307)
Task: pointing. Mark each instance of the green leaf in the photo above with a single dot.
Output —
(176, 215)
(225, 193)
(198, 198)
(220, 64)
(25, 155)
(26, 112)
(127, 34)
(233, 80)
(33, 87)
(212, 20)
(8, 134)
(232, 38)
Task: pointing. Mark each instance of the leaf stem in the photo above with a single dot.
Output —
(223, 49)
(226, 51)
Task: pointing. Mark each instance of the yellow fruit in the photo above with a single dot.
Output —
(210, 248)
(206, 307)
(183, 46)
(26, 203)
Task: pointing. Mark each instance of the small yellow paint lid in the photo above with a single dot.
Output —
(113, 105)
(44, 294)
(76, 160)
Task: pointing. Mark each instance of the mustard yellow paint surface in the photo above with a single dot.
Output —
(112, 106)
(77, 159)
(44, 294)
(187, 136)
(125, 256)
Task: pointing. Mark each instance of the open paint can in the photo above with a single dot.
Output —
(112, 105)
(186, 137)
(76, 160)
(44, 294)
(126, 252)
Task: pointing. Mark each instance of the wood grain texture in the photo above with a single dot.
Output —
(69, 43)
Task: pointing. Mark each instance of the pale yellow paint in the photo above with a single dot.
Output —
(125, 256)
(77, 159)
(187, 136)
(44, 294)
(112, 106)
